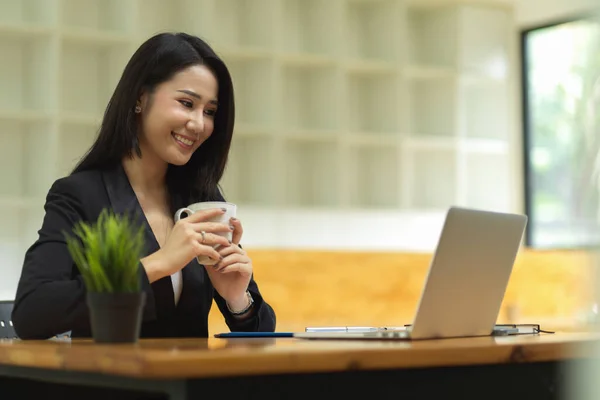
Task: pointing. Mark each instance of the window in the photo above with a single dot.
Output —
(561, 109)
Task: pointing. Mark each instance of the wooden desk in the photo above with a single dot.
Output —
(292, 368)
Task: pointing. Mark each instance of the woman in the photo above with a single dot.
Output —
(163, 144)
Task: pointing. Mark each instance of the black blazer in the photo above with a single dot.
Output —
(50, 296)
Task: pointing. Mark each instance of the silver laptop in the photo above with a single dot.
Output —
(465, 285)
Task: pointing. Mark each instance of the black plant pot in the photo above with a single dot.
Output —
(116, 317)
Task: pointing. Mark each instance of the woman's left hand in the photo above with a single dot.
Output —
(230, 276)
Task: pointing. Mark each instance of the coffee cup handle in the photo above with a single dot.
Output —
(181, 211)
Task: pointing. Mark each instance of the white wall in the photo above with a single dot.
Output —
(539, 12)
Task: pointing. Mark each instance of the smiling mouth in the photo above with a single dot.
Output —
(182, 140)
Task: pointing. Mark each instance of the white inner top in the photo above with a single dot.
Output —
(177, 285)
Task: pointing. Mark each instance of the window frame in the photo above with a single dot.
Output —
(528, 171)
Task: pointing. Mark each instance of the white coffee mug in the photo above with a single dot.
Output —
(230, 212)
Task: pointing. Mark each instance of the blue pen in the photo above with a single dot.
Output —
(254, 335)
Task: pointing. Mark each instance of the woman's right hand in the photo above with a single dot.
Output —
(185, 242)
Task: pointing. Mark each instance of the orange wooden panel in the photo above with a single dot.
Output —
(328, 288)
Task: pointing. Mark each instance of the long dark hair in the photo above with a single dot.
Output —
(154, 62)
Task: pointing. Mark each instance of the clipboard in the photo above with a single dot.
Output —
(499, 330)
(518, 329)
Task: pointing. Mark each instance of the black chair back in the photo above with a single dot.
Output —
(7, 331)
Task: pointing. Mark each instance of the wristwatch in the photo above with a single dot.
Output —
(246, 309)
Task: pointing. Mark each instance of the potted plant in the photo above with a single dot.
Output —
(107, 254)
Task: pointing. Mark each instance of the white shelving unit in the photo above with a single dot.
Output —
(351, 106)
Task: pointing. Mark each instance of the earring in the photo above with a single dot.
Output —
(138, 109)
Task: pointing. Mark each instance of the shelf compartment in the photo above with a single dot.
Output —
(375, 177)
(156, 16)
(98, 15)
(431, 175)
(20, 143)
(484, 37)
(485, 110)
(432, 36)
(480, 169)
(309, 26)
(254, 91)
(26, 80)
(371, 30)
(75, 140)
(248, 177)
(31, 220)
(34, 13)
(311, 174)
(374, 104)
(243, 23)
(89, 75)
(432, 107)
(309, 98)
(20, 231)
(11, 248)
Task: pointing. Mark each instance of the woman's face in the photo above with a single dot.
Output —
(179, 115)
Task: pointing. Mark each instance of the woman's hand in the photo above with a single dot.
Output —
(230, 276)
(190, 237)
